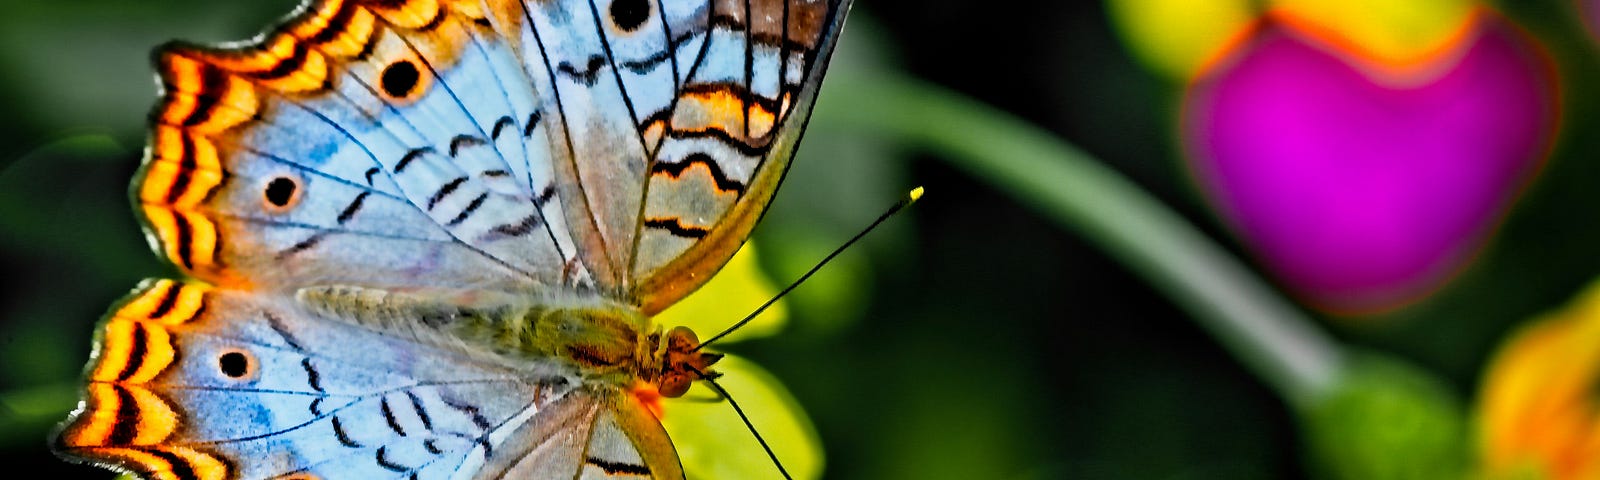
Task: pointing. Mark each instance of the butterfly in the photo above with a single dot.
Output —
(425, 238)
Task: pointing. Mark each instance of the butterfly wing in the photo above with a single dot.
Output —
(194, 382)
(377, 142)
(674, 120)
(589, 434)
(369, 142)
(421, 144)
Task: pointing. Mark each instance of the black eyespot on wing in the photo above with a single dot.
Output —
(280, 191)
(234, 364)
(400, 78)
(630, 14)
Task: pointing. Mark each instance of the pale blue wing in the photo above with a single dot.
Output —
(384, 143)
(192, 379)
(673, 120)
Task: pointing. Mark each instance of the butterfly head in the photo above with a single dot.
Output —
(682, 363)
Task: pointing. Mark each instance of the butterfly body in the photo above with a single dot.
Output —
(599, 339)
(425, 238)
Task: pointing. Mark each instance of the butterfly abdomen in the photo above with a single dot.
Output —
(595, 335)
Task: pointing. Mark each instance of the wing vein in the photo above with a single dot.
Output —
(346, 133)
(677, 91)
(583, 197)
(533, 191)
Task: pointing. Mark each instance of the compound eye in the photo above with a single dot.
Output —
(674, 385)
(681, 338)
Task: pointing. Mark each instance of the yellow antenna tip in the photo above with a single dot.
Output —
(916, 194)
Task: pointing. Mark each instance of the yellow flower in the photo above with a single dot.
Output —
(1178, 38)
(1393, 32)
(1539, 410)
(711, 440)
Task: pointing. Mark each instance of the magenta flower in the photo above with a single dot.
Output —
(1363, 185)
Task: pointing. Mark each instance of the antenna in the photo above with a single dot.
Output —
(711, 379)
(910, 198)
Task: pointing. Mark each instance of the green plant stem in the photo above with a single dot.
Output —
(1267, 333)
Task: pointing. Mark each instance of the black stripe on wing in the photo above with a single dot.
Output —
(676, 169)
(676, 227)
(618, 468)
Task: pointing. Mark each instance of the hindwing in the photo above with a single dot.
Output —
(597, 433)
(189, 381)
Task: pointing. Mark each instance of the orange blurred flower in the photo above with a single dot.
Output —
(1539, 410)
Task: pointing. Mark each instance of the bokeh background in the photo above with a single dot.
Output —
(973, 336)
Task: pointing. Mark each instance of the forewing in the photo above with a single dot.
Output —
(193, 382)
(374, 142)
(671, 121)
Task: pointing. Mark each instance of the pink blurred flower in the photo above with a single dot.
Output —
(1363, 184)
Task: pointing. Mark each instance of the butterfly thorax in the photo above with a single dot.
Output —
(601, 339)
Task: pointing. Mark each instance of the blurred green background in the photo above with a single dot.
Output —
(970, 338)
